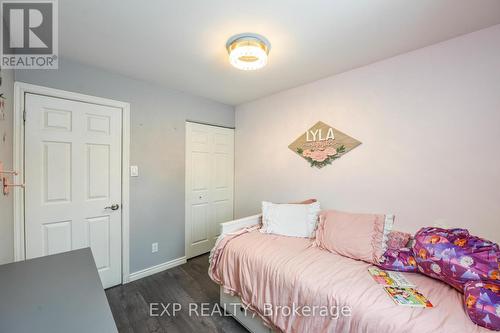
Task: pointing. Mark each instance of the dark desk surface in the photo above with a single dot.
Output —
(57, 293)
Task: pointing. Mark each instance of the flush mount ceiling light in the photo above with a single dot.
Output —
(248, 51)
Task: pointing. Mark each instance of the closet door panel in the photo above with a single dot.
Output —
(209, 184)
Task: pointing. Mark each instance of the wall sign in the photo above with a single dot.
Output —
(322, 144)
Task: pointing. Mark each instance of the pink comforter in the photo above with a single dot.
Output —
(268, 271)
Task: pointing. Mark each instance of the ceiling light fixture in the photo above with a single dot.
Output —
(248, 51)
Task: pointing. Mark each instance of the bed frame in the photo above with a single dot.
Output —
(232, 304)
(231, 226)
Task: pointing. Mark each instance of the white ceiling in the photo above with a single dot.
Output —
(181, 43)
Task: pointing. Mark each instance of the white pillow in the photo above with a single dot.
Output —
(297, 220)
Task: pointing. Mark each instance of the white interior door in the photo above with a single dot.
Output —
(73, 179)
(209, 184)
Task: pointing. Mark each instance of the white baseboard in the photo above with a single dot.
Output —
(156, 269)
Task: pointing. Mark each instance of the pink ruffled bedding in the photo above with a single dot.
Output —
(268, 271)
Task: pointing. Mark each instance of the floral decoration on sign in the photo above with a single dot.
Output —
(322, 144)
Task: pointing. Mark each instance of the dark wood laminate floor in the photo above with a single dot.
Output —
(188, 283)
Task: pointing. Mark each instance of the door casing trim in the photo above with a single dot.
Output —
(20, 89)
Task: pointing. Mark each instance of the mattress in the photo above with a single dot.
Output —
(276, 275)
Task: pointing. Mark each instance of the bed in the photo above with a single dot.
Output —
(268, 273)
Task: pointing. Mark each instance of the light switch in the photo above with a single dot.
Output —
(134, 171)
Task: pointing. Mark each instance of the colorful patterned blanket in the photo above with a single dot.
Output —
(466, 262)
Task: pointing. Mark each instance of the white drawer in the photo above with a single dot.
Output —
(251, 321)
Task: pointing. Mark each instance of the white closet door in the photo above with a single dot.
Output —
(73, 177)
(209, 184)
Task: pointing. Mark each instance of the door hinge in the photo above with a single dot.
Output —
(24, 115)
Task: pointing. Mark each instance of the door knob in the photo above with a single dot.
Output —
(113, 207)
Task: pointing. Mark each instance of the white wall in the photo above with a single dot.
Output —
(157, 134)
(6, 213)
(429, 122)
